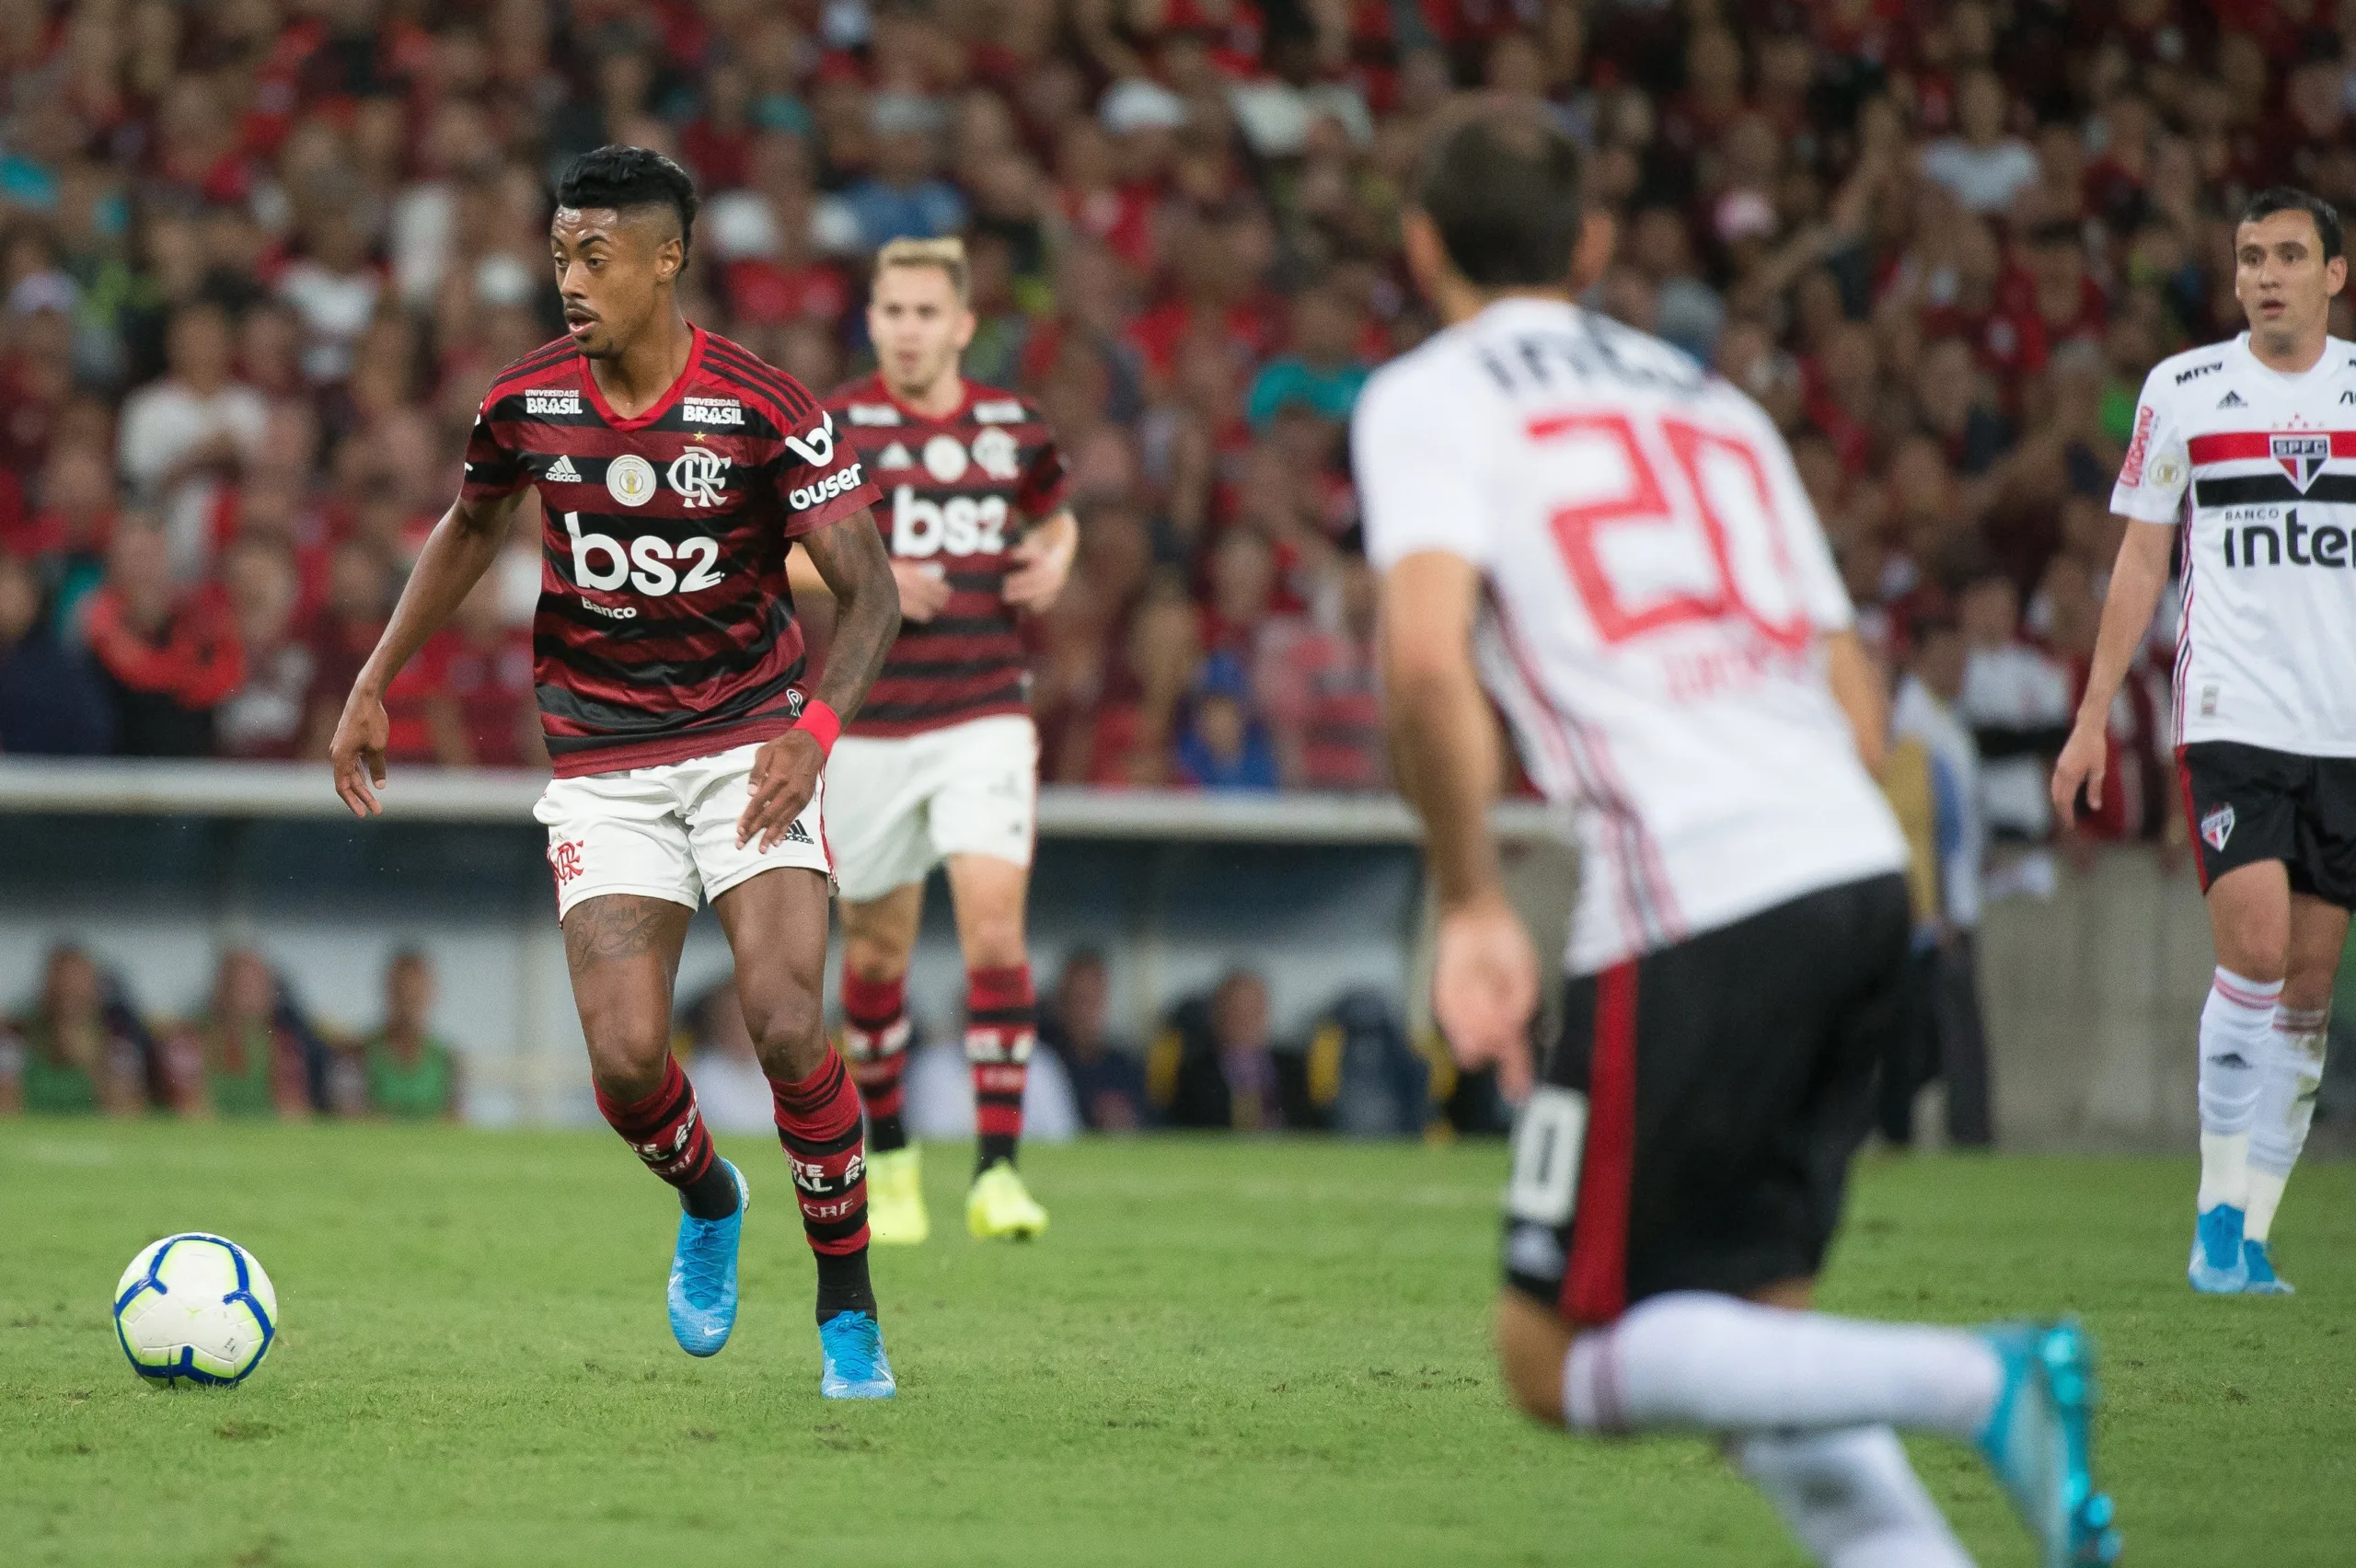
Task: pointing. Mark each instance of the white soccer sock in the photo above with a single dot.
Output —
(1701, 1361)
(2265, 1197)
(1851, 1498)
(2288, 1077)
(2236, 1038)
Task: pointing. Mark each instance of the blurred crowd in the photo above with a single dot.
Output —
(81, 1045)
(261, 258)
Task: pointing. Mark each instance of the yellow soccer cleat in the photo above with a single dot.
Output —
(999, 1205)
(896, 1216)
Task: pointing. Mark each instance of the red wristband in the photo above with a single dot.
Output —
(821, 722)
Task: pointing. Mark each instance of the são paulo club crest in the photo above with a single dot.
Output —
(2301, 456)
(2216, 827)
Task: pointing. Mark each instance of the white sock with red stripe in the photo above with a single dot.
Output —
(1697, 1361)
(1851, 1498)
(2236, 1039)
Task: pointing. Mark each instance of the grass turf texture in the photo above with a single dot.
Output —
(1224, 1351)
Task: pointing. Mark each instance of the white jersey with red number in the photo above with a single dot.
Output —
(2263, 466)
(1657, 588)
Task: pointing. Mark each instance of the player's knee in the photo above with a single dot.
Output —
(1531, 1342)
(788, 1026)
(995, 944)
(627, 1051)
(873, 957)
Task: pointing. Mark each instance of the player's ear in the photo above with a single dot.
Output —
(2334, 274)
(1599, 236)
(670, 258)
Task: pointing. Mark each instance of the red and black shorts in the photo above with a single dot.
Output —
(1696, 1120)
(2247, 803)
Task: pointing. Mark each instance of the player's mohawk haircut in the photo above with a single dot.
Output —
(621, 178)
(1503, 185)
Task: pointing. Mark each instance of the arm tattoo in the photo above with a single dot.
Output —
(850, 556)
(613, 927)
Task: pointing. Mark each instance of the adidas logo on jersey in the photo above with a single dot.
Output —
(2233, 400)
(795, 833)
(895, 456)
(562, 472)
(2348, 396)
(552, 402)
(711, 410)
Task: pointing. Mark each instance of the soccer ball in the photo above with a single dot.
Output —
(195, 1306)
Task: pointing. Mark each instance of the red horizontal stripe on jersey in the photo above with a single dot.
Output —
(2242, 445)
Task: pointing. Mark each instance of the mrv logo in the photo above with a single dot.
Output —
(2294, 543)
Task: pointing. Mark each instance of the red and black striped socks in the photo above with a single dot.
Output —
(818, 1121)
(876, 1039)
(1002, 1024)
(665, 1131)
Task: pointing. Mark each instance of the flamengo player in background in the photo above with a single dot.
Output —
(1621, 544)
(941, 766)
(672, 467)
(2252, 445)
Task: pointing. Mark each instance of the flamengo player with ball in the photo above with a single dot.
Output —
(941, 766)
(2249, 448)
(1619, 542)
(672, 469)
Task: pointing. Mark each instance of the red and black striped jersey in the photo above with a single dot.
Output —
(957, 493)
(666, 629)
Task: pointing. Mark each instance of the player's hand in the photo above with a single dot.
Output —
(2083, 761)
(924, 588)
(358, 751)
(1045, 566)
(1485, 990)
(785, 775)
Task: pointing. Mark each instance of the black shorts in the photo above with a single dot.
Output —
(2247, 803)
(1696, 1120)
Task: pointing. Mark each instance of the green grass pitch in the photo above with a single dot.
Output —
(1225, 1352)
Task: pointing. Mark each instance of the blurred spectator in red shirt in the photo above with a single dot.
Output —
(486, 678)
(1316, 680)
(168, 658)
(341, 636)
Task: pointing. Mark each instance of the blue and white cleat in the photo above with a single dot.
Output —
(856, 1368)
(2038, 1440)
(703, 1276)
(2219, 1266)
(2263, 1280)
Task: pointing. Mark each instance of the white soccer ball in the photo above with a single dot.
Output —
(195, 1306)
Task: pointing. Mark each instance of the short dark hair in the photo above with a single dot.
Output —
(1504, 189)
(621, 178)
(2290, 198)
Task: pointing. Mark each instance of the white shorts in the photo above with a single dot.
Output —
(902, 804)
(668, 831)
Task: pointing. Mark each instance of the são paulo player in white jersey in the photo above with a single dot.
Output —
(1619, 545)
(2251, 447)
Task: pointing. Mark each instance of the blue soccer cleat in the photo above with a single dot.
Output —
(856, 1368)
(2037, 1442)
(703, 1276)
(2263, 1280)
(2219, 1265)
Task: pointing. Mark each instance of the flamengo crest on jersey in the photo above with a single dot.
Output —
(957, 494)
(1658, 586)
(2260, 467)
(665, 629)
